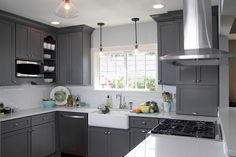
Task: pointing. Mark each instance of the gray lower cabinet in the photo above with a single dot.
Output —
(137, 136)
(16, 143)
(107, 142)
(7, 53)
(139, 127)
(43, 135)
(197, 100)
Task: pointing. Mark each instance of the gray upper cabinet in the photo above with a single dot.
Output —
(74, 56)
(29, 43)
(107, 142)
(7, 53)
(197, 100)
(168, 43)
(202, 75)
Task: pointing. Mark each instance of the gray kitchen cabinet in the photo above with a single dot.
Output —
(73, 133)
(202, 75)
(43, 135)
(137, 135)
(7, 53)
(139, 127)
(29, 43)
(43, 140)
(197, 100)
(107, 142)
(16, 143)
(15, 137)
(74, 57)
(169, 34)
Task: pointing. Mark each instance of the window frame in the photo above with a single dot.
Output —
(125, 49)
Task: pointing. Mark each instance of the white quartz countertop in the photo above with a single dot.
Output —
(41, 110)
(175, 146)
(227, 117)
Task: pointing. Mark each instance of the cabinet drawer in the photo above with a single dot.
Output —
(17, 124)
(43, 118)
(141, 122)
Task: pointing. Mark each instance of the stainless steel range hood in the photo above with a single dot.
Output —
(197, 37)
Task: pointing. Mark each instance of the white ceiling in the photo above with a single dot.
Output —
(112, 12)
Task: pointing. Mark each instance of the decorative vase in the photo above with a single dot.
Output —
(167, 106)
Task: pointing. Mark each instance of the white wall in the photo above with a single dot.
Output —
(28, 96)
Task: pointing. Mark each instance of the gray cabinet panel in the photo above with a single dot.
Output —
(137, 136)
(36, 44)
(22, 41)
(76, 58)
(97, 142)
(16, 124)
(43, 140)
(7, 53)
(168, 43)
(208, 75)
(196, 99)
(43, 118)
(118, 143)
(62, 59)
(16, 143)
(186, 75)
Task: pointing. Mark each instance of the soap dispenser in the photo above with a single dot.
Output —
(108, 102)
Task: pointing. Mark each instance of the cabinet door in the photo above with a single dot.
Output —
(76, 58)
(197, 100)
(43, 140)
(186, 75)
(137, 136)
(36, 44)
(22, 42)
(7, 48)
(62, 59)
(169, 34)
(118, 142)
(16, 143)
(208, 75)
(97, 143)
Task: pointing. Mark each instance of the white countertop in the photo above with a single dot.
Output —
(175, 146)
(41, 110)
(227, 118)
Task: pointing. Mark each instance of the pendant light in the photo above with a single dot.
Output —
(100, 48)
(136, 51)
(66, 9)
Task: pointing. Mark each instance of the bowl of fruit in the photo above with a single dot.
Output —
(147, 107)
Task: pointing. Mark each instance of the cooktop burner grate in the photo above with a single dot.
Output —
(200, 129)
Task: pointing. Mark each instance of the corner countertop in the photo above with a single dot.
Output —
(227, 118)
(169, 146)
(41, 110)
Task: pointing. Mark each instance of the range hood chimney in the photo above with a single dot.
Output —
(197, 37)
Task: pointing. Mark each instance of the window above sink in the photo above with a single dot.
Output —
(120, 69)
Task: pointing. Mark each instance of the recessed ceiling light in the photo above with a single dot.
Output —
(158, 6)
(55, 22)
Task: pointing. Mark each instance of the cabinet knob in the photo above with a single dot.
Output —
(195, 113)
(16, 124)
(143, 131)
(198, 81)
(13, 81)
(159, 81)
(105, 133)
(44, 118)
(194, 81)
(109, 133)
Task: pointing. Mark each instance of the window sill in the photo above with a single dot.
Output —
(125, 90)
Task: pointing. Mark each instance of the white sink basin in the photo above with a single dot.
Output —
(114, 119)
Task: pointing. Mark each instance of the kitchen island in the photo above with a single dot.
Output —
(177, 146)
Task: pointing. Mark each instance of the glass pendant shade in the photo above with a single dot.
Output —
(67, 9)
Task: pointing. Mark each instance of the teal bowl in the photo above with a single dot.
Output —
(48, 103)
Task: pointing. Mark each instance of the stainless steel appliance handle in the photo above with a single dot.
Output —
(27, 62)
(75, 117)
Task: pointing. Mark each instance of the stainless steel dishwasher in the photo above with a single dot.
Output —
(73, 134)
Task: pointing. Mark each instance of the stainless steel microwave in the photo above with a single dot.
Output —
(29, 69)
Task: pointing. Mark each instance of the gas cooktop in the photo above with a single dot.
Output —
(200, 129)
